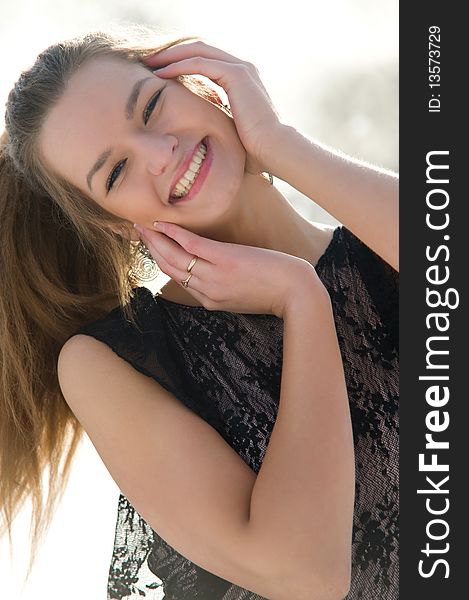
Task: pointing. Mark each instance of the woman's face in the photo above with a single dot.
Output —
(125, 137)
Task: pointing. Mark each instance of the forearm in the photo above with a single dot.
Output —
(302, 501)
(363, 198)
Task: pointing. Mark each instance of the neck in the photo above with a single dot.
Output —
(263, 218)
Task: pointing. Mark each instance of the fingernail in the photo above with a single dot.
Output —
(158, 225)
(138, 228)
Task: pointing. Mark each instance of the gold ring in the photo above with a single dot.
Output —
(192, 263)
(185, 282)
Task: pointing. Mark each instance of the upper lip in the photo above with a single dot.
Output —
(182, 169)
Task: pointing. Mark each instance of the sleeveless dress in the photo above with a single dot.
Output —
(227, 368)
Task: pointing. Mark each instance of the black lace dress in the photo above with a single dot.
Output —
(227, 368)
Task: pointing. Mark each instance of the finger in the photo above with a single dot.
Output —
(173, 253)
(195, 285)
(192, 243)
(170, 254)
(222, 73)
(169, 266)
(189, 50)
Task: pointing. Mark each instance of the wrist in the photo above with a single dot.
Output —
(274, 147)
(304, 294)
(305, 299)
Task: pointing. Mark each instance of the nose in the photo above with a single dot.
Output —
(158, 153)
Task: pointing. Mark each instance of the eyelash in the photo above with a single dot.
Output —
(114, 174)
(147, 111)
(150, 106)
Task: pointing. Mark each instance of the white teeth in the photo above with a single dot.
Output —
(190, 175)
(185, 183)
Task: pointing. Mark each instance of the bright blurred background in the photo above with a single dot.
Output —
(331, 69)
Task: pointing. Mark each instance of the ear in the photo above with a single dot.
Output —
(214, 96)
(211, 93)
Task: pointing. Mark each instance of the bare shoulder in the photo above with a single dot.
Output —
(76, 346)
(84, 355)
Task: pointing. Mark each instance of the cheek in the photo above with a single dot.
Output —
(138, 202)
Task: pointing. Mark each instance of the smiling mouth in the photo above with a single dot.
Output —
(185, 183)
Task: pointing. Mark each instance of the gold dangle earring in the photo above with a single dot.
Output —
(145, 266)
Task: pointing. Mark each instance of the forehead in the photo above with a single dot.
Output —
(89, 116)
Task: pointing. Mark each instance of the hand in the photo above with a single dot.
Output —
(253, 112)
(230, 277)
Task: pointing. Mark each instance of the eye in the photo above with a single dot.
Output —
(114, 174)
(151, 105)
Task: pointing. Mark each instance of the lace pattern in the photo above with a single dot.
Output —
(227, 368)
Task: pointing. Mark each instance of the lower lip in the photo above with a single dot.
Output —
(201, 176)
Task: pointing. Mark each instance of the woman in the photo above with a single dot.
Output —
(271, 334)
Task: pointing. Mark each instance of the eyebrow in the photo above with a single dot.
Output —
(102, 158)
(129, 114)
(134, 94)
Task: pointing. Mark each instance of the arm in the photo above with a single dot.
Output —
(283, 534)
(304, 493)
(364, 198)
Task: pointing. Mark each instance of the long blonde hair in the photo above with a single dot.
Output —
(61, 266)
